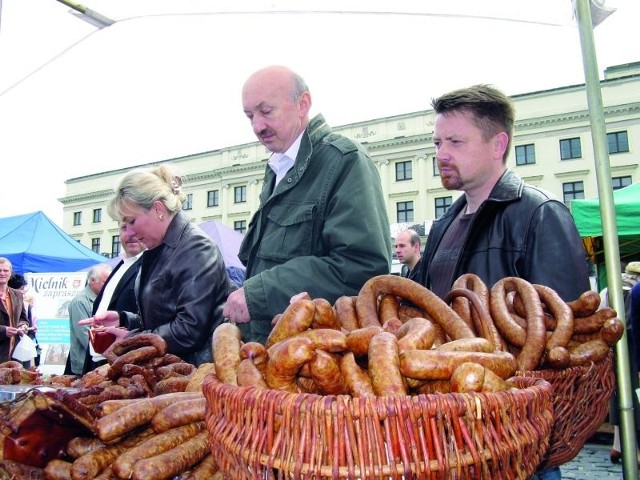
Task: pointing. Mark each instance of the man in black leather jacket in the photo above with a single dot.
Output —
(501, 226)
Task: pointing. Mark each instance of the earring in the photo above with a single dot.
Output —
(160, 217)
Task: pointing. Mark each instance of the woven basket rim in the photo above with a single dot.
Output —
(473, 404)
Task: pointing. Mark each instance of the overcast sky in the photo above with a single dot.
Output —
(165, 79)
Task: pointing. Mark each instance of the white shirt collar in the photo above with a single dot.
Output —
(281, 163)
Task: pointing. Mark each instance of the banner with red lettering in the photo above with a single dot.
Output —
(52, 293)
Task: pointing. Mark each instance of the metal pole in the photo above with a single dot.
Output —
(97, 19)
(609, 234)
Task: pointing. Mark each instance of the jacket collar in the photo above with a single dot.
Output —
(313, 134)
(509, 187)
(176, 227)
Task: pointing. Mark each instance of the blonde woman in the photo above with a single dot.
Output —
(182, 283)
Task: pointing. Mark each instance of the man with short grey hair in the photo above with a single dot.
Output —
(80, 308)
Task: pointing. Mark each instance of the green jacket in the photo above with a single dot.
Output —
(324, 230)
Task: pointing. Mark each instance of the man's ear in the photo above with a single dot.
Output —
(500, 142)
(304, 103)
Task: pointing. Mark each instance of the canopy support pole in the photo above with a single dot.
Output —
(609, 233)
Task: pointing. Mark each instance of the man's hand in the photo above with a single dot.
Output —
(236, 307)
(106, 319)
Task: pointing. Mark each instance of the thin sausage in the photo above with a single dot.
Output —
(530, 355)
(561, 312)
(436, 309)
(479, 315)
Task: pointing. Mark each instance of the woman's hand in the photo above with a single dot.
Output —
(118, 332)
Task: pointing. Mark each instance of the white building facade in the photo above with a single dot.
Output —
(552, 149)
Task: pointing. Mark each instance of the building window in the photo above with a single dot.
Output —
(77, 218)
(115, 246)
(572, 191)
(213, 198)
(403, 171)
(620, 182)
(618, 142)
(240, 194)
(404, 212)
(97, 215)
(436, 170)
(525, 154)
(95, 245)
(188, 203)
(570, 148)
(240, 226)
(442, 204)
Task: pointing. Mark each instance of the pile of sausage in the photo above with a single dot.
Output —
(161, 437)
(397, 338)
(144, 413)
(138, 366)
(13, 373)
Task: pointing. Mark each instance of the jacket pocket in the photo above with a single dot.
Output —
(288, 232)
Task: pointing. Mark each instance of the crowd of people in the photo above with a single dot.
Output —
(321, 228)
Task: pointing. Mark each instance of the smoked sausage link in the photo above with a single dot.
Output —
(384, 366)
(421, 297)
(297, 318)
(226, 342)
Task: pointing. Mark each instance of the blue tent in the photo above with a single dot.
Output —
(35, 244)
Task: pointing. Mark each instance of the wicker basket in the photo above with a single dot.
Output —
(270, 434)
(580, 403)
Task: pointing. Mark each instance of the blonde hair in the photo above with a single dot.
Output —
(143, 187)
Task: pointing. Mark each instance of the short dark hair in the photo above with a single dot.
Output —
(17, 281)
(493, 111)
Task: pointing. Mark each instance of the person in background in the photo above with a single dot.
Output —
(322, 226)
(182, 283)
(118, 292)
(500, 226)
(407, 246)
(80, 308)
(18, 282)
(13, 316)
(630, 281)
